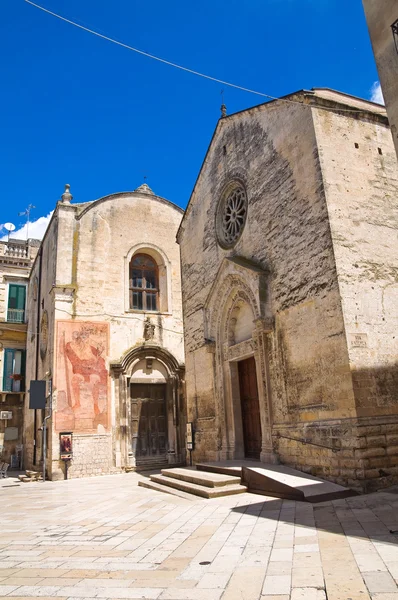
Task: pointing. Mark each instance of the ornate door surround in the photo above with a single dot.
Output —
(239, 286)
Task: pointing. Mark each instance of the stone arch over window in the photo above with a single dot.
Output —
(148, 279)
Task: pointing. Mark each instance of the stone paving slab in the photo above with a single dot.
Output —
(107, 537)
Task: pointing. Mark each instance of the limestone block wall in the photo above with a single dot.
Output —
(105, 239)
(361, 185)
(92, 456)
(40, 338)
(11, 430)
(84, 294)
(321, 223)
(274, 151)
(380, 16)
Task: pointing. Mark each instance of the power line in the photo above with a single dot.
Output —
(105, 314)
(182, 68)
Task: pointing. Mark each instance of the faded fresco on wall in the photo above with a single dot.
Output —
(82, 377)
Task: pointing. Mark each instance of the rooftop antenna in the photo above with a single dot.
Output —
(26, 213)
(9, 227)
(223, 107)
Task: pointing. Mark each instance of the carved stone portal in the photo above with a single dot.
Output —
(236, 324)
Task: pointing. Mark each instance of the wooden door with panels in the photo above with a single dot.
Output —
(149, 421)
(250, 406)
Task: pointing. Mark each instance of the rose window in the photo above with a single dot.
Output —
(231, 217)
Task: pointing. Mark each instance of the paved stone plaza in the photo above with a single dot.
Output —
(106, 537)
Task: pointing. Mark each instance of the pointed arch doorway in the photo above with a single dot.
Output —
(236, 326)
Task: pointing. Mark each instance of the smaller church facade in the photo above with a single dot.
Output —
(290, 287)
(105, 330)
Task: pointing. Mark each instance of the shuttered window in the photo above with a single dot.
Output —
(16, 303)
(14, 370)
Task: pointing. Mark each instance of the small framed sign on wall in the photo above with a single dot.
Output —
(189, 436)
(65, 445)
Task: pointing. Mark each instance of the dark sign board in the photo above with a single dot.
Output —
(37, 394)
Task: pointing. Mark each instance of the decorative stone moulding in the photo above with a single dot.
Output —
(231, 215)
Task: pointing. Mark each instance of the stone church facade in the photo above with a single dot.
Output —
(105, 327)
(290, 290)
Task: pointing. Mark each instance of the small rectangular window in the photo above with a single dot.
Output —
(16, 303)
(137, 278)
(151, 300)
(150, 280)
(137, 300)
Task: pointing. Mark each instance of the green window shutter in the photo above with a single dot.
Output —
(8, 369)
(21, 295)
(12, 296)
(16, 303)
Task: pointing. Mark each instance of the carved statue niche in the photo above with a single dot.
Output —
(149, 329)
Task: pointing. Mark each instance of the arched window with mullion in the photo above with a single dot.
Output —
(144, 283)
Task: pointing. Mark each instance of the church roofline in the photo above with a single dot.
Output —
(324, 99)
(89, 205)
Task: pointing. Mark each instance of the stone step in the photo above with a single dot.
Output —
(210, 480)
(199, 490)
(152, 485)
(222, 469)
(33, 474)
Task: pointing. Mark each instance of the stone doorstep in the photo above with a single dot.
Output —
(203, 478)
(158, 487)
(196, 489)
(235, 471)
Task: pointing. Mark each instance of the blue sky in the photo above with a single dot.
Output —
(77, 109)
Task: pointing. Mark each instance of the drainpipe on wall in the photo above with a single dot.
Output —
(44, 445)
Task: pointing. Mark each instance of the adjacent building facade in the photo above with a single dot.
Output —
(105, 323)
(382, 19)
(290, 290)
(16, 260)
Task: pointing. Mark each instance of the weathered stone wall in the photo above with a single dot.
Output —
(11, 430)
(380, 16)
(92, 456)
(307, 190)
(104, 238)
(361, 184)
(273, 150)
(40, 339)
(85, 278)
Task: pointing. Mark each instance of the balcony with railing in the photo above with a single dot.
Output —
(18, 252)
(15, 315)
